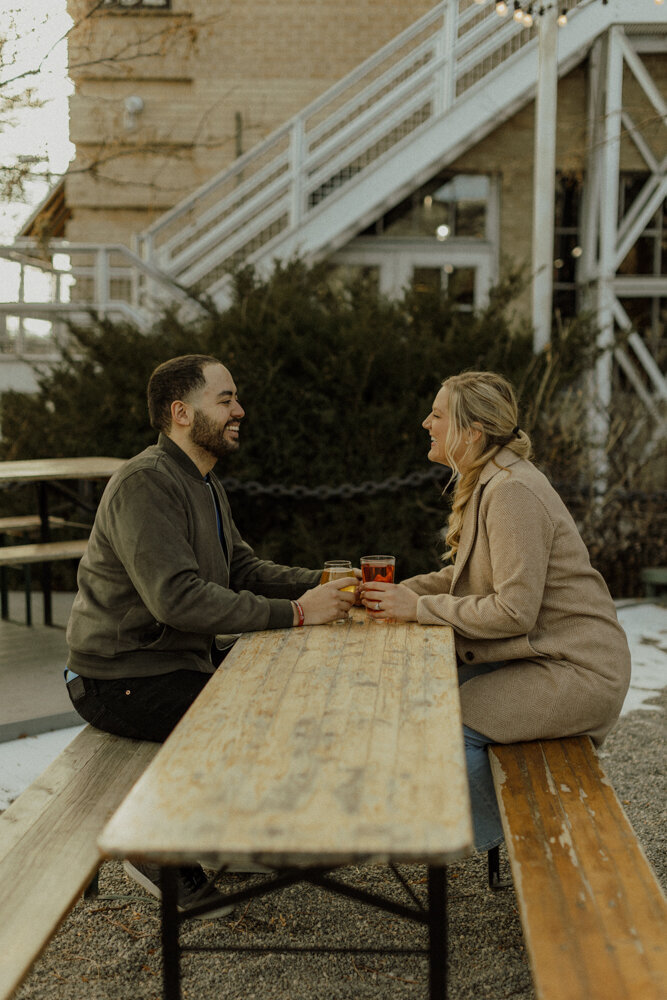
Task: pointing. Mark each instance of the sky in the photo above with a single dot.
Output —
(36, 29)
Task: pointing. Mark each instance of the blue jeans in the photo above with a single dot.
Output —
(487, 827)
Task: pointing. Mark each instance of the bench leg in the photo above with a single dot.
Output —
(437, 932)
(27, 583)
(93, 888)
(495, 882)
(4, 593)
(171, 973)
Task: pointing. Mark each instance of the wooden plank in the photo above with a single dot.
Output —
(314, 745)
(593, 914)
(38, 469)
(34, 552)
(48, 842)
(27, 522)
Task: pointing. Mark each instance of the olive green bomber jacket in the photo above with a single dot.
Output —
(155, 586)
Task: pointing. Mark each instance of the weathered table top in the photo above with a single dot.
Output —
(36, 469)
(320, 745)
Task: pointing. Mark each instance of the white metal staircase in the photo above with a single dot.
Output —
(410, 109)
(407, 111)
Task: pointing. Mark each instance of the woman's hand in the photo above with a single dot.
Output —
(328, 602)
(390, 601)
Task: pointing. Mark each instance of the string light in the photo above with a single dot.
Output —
(524, 12)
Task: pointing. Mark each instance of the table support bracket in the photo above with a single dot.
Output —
(434, 917)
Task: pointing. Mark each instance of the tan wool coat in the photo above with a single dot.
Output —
(522, 590)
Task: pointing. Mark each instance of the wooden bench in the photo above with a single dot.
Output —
(19, 524)
(593, 914)
(38, 552)
(48, 842)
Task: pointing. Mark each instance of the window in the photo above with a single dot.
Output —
(648, 256)
(567, 248)
(458, 282)
(446, 207)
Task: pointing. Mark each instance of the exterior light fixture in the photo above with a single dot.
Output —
(134, 105)
(561, 20)
(518, 13)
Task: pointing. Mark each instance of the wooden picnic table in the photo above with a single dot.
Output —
(310, 749)
(52, 471)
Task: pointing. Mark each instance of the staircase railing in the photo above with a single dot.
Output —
(383, 103)
(44, 286)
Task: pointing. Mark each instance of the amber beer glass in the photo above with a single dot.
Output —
(336, 569)
(379, 568)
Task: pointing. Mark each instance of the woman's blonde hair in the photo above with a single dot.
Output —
(486, 402)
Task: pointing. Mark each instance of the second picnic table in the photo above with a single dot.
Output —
(45, 472)
(311, 749)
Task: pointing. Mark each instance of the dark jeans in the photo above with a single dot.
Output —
(141, 708)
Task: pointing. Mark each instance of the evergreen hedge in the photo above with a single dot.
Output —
(335, 383)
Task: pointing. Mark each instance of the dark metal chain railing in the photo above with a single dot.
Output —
(343, 492)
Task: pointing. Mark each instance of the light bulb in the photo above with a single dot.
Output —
(501, 7)
(518, 13)
(442, 232)
(561, 20)
(527, 19)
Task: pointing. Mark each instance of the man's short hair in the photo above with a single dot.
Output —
(175, 379)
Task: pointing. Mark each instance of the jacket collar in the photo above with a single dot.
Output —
(503, 460)
(179, 456)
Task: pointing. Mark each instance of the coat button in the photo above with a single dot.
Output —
(469, 655)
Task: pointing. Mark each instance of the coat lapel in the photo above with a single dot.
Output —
(503, 460)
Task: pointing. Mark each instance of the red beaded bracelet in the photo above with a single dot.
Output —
(299, 611)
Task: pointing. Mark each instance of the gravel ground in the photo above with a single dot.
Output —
(109, 947)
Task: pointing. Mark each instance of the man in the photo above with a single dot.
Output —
(166, 572)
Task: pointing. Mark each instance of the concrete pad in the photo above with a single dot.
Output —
(33, 697)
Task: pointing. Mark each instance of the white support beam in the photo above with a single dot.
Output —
(643, 78)
(609, 163)
(646, 204)
(544, 178)
(642, 352)
(640, 142)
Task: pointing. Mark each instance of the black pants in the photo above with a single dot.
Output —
(141, 708)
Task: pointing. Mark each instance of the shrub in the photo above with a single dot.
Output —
(335, 382)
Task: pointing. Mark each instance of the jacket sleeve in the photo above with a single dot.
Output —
(518, 530)
(148, 530)
(262, 576)
(439, 582)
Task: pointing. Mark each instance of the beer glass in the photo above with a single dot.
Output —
(336, 569)
(380, 568)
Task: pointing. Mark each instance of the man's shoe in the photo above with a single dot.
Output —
(192, 887)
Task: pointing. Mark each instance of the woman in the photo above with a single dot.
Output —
(541, 654)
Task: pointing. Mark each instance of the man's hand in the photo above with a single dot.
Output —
(390, 600)
(328, 602)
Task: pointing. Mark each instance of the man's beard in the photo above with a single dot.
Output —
(210, 437)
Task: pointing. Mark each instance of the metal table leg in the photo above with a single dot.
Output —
(43, 501)
(171, 974)
(437, 930)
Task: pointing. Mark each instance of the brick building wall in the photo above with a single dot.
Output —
(215, 77)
